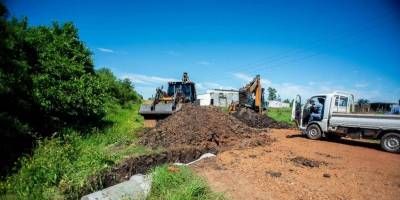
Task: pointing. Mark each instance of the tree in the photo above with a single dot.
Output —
(48, 81)
(272, 94)
(48, 84)
(121, 91)
(286, 101)
(47, 78)
(362, 101)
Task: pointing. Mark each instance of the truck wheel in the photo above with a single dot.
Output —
(391, 142)
(314, 132)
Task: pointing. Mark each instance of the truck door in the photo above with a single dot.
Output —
(297, 111)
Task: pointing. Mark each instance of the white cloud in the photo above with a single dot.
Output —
(247, 78)
(243, 76)
(361, 85)
(290, 90)
(106, 50)
(211, 85)
(146, 91)
(203, 62)
(146, 85)
(202, 87)
(173, 53)
(148, 80)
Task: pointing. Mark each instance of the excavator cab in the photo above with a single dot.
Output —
(250, 96)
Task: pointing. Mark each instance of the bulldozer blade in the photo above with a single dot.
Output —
(160, 111)
(150, 121)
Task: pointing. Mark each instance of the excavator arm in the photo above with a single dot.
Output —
(253, 88)
(256, 89)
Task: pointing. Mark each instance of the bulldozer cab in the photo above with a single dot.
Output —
(184, 91)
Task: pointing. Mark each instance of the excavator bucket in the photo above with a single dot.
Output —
(158, 112)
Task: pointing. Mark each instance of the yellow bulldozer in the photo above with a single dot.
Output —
(165, 103)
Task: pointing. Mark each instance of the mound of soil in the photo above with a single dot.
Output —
(255, 120)
(206, 127)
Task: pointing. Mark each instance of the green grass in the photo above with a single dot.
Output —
(180, 185)
(281, 115)
(61, 166)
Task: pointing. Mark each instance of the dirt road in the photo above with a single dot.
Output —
(294, 167)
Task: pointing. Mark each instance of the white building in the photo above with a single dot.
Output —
(278, 104)
(204, 99)
(218, 97)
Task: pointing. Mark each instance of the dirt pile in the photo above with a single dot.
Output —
(205, 127)
(255, 120)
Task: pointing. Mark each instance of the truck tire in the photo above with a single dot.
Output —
(313, 132)
(391, 142)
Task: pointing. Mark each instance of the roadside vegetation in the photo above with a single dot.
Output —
(60, 167)
(175, 183)
(281, 115)
(61, 120)
(63, 123)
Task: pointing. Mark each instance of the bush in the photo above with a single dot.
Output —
(48, 83)
(61, 167)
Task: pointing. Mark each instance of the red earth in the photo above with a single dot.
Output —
(294, 167)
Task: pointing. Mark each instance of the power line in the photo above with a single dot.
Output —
(292, 53)
(320, 41)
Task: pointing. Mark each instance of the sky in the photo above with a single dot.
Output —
(298, 47)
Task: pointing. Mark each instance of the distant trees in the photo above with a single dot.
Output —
(120, 91)
(272, 94)
(362, 101)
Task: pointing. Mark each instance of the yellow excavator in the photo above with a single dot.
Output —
(250, 96)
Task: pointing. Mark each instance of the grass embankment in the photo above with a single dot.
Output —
(179, 183)
(61, 166)
(281, 115)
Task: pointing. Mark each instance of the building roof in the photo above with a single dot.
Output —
(225, 90)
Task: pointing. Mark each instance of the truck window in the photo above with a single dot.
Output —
(341, 104)
(343, 101)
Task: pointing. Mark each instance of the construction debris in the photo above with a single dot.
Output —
(273, 173)
(136, 188)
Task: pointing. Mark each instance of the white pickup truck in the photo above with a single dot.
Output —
(331, 115)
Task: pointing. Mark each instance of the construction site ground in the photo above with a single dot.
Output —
(294, 167)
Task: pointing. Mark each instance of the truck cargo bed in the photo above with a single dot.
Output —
(367, 121)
